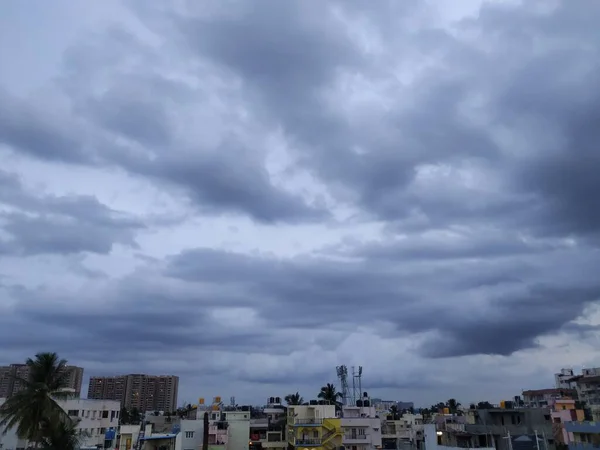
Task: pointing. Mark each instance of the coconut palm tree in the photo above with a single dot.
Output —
(453, 405)
(294, 399)
(395, 412)
(34, 410)
(331, 395)
(63, 436)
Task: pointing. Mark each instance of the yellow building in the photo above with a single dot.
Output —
(314, 427)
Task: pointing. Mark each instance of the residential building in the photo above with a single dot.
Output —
(405, 431)
(583, 435)
(314, 425)
(564, 410)
(269, 431)
(562, 380)
(10, 384)
(98, 421)
(361, 427)
(588, 390)
(143, 392)
(434, 438)
(542, 398)
(491, 427)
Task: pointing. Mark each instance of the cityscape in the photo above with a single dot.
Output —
(299, 224)
(140, 412)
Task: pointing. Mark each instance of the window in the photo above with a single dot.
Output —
(105, 414)
(189, 434)
(102, 430)
(73, 412)
(93, 414)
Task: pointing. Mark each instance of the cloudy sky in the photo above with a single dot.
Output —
(249, 193)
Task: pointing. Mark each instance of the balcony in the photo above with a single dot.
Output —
(308, 422)
(582, 446)
(354, 439)
(305, 442)
(583, 427)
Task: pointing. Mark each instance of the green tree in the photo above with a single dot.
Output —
(63, 436)
(34, 411)
(452, 405)
(395, 412)
(294, 399)
(124, 416)
(331, 395)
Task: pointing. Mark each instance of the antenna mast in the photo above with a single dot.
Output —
(342, 374)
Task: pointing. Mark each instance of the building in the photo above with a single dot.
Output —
(269, 430)
(562, 380)
(434, 438)
(98, 422)
(542, 398)
(403, 432)
(9, 383)
(361, 427)
(143, 392)
(492, 427)
(564, 410)
(588, 390)
(583, 435)
(315, 426)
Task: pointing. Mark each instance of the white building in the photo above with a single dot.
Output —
(361, 428)
(562, 379)
(98, 421)
(433, 437)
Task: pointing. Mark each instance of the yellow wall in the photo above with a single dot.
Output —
(580, 415)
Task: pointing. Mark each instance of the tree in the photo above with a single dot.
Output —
(485, 405)
(331, 395)
(135, 416)
(124, 416)
(452, 405)
(63, 436)
(34, 411)
(294, 399)
(394, 412)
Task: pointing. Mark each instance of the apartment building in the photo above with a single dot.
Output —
(9, 375)
(543, 398)
(144, 392)
(269, 431)
(361, 427)
(98, 422)
(315, 425)
(406, 431)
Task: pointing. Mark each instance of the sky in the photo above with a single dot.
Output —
(249, 193)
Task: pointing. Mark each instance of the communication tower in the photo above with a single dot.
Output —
(356, 384)
(342, 374)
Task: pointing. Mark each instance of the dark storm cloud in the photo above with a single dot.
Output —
(482, 169)
(289, 292)
(46, 224)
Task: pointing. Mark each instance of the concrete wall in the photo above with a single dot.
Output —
(239, 429)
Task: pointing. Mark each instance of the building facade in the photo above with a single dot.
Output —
(97, 422)
(361, 428)
(315, 426)
(9, 383)
(143, 392)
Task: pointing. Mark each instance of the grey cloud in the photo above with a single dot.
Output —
(62, 225)
(401, 294)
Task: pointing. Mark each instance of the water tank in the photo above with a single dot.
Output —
(245, 408)
(271, 400)
(366, 403)
(313, 402)
(359, 403)
(201, 401)
(277, 399)
(365, 394)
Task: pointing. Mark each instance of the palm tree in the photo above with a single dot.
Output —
(34, 410)
(294, 399)
(394, 412)
(452, 405)
(63, 436)
(331, 395)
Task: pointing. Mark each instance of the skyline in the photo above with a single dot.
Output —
(249, 195)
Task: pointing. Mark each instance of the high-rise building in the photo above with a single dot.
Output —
(10, 384)
(143, 392)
